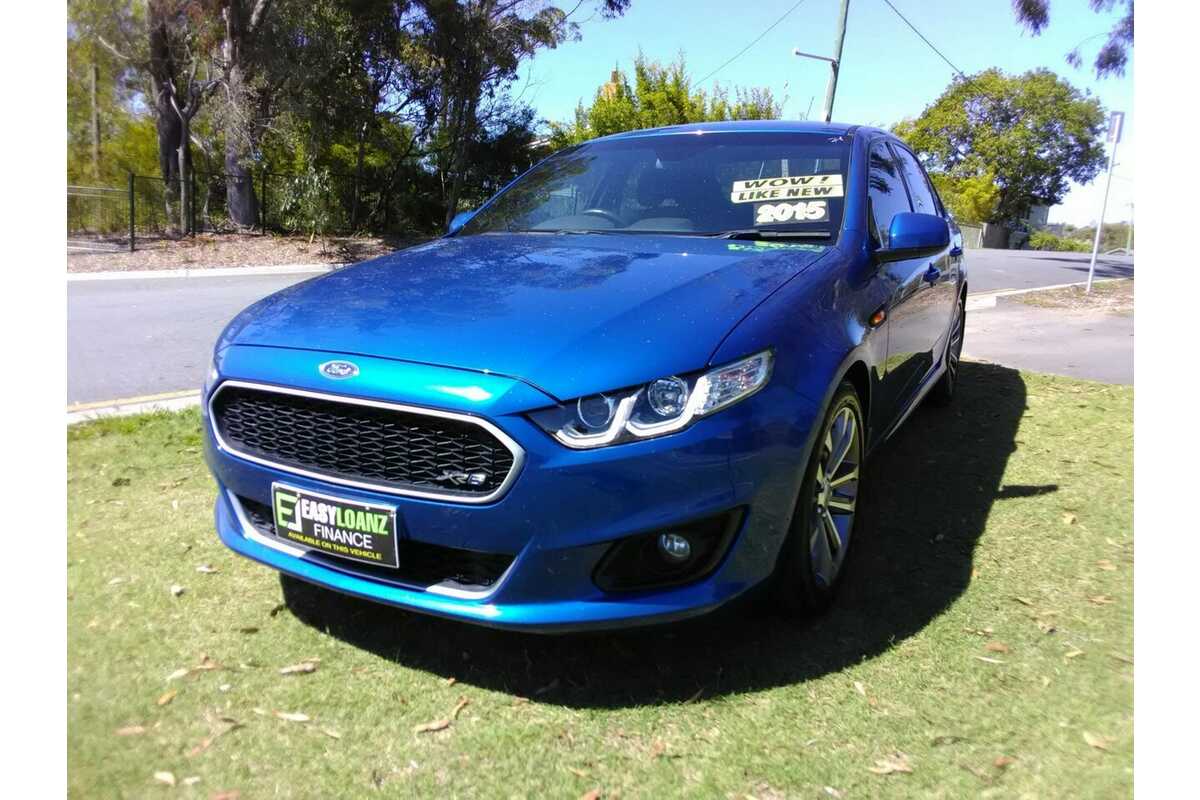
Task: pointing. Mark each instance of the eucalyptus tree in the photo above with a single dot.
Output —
(1032, 133)
(1112, 56)
(167, 43)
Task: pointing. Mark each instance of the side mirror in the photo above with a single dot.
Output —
(914, 236)
(460, 219)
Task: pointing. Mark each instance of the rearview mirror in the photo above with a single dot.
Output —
(914, 236)
(460, 219)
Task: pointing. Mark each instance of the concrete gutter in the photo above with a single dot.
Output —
(168, 401)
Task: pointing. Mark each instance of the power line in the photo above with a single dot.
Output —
(923, 39)
(756, 39)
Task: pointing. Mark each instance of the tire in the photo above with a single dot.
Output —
(942, 393)
(811, 561)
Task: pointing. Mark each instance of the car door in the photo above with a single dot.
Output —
(908, 346)
(939, 298)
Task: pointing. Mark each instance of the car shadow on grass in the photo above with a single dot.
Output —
(927, 496)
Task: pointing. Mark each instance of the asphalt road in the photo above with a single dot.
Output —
(129, 338)
(993, 270)
(134, 337)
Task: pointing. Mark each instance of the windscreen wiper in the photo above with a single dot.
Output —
(773, 233)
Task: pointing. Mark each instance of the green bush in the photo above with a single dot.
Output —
(305, 205)
(1045, 240)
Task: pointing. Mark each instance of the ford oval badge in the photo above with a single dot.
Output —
(338, 370)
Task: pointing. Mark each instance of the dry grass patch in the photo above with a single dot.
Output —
(238, 250)
(1108, 297)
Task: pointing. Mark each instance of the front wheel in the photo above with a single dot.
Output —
(942, 392)
(812, 558)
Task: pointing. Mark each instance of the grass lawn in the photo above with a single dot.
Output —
(981, 646)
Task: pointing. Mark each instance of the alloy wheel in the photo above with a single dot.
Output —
(835, 491)
(954, 348)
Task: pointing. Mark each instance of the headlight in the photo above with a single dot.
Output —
(210, 380)
(660, 407)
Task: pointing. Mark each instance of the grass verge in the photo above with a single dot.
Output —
(981, 644)
(1110, 297)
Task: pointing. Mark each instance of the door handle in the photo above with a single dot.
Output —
(932, 274)
(956, 251)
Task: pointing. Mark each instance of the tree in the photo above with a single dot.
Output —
(1112, 57)
(971, 200)
(403, 108)
(1034, 132)
(165, 44)
(100, 88)
(661, 94)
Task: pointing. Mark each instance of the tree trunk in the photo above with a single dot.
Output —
(185, 199)
(168, 155)
(95, 125)
(239, 183)
(166, 121)
(458, 162)
(358, 176)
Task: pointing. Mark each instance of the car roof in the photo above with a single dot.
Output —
(741, 126)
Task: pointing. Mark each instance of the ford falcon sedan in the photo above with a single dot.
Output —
(637, 383)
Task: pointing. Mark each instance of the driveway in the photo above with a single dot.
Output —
(142, 336)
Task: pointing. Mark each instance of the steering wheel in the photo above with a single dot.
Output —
(608, 215)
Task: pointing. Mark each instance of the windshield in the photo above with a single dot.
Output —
(713, 184)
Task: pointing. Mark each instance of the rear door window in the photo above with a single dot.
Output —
(918, 185)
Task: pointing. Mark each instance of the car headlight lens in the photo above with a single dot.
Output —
(660, 407)
(667, 396)
(210, 380)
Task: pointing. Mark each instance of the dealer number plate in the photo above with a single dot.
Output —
(335, 526)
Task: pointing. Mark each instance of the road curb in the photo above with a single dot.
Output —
(169, 401)
(982, 300)
(202, 272)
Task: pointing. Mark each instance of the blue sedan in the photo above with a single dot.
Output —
(637, 383)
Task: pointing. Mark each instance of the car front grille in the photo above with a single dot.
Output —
(421, 564)
(372, 445)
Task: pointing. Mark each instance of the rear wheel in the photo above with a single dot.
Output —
(943, 391)
(812, 558)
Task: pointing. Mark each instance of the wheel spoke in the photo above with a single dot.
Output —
(822, 558)
(844, 505)
(845, 477)
(831, 531)
(844, 425)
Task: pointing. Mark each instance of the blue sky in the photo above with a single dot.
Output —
(887, 72)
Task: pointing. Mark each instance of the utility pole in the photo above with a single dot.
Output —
(838, 39)
(835, 63)
(1115, 120)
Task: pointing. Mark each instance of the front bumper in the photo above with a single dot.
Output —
(563, 511)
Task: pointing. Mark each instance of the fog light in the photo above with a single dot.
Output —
(674, 547)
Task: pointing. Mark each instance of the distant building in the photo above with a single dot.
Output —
(612, 89)
(1039, 216)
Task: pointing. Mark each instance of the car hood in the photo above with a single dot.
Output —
(569, 313)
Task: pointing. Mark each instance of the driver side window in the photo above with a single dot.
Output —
(885, 190)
